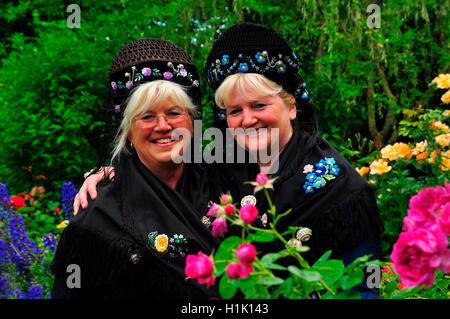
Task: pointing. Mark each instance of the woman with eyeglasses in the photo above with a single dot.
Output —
(132, 241)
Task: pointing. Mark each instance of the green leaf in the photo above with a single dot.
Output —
(248, 288)
(228, 287)
(305, 274)
(324, 257)
(350, 281)
(225, 252)
(270, 281)
(261, 237)
(330, 270)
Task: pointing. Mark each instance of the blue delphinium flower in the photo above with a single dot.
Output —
(68, 193)
(4, 195)
(22, 249)
(4, 256)
(35, 292)
(5, 289)
(5, 200)
(49, 242)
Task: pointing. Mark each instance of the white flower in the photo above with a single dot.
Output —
(308, 168)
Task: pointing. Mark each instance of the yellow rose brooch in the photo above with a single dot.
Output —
(171, 246)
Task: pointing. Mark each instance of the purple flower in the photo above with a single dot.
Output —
(129, 85)
(4, 256)
(168, 75)
(35, 292)
(21, 248)
(5, 289)
(183, 72)
(49, 242)
(68, 193)
(114, 85)
(4, 195)
(146, 71)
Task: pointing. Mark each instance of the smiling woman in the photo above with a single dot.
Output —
(132, 240)
(155, 110)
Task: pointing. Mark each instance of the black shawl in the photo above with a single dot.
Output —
(341, 213)
(109, 240)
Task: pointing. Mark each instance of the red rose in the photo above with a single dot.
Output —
(18, 201)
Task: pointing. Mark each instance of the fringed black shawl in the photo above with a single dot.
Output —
(109, 240)
(341, 212)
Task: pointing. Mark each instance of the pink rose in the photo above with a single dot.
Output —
(200, 266)
(236, 271)
(245, 270)
(425, 207)
(262, 179)
(417, 254)
(246, 253)
(226, 199)
(248, 213)
(233, 271)
(229, 209)
(219, 226)
(444, 220)
(213, 210)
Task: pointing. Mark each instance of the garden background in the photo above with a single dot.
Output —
(372, 88)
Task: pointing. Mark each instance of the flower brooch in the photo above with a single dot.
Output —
(171, 246)
(318, 174)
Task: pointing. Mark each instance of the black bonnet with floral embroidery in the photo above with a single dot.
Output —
(146, 60)
(253, 48)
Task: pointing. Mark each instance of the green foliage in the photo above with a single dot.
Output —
(53, 80)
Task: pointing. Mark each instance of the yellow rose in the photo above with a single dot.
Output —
(420, 147)
(63, 224)
(396, 151)
(379, 167)
(446, 97)
(363, 170)
(161, 243)
(443, 139)
(442, 81)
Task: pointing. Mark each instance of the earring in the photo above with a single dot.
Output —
(131, 145)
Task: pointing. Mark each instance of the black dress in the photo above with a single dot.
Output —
(132, 241)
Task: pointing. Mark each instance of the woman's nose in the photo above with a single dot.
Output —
(162, 124)
(248, 118)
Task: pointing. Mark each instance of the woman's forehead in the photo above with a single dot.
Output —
(248, 95)
(162, 105)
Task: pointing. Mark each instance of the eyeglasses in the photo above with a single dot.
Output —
(172, 118)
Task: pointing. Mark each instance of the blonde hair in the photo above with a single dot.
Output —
(241, 82)
(141, 100)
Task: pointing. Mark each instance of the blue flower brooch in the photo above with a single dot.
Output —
(318, 174)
